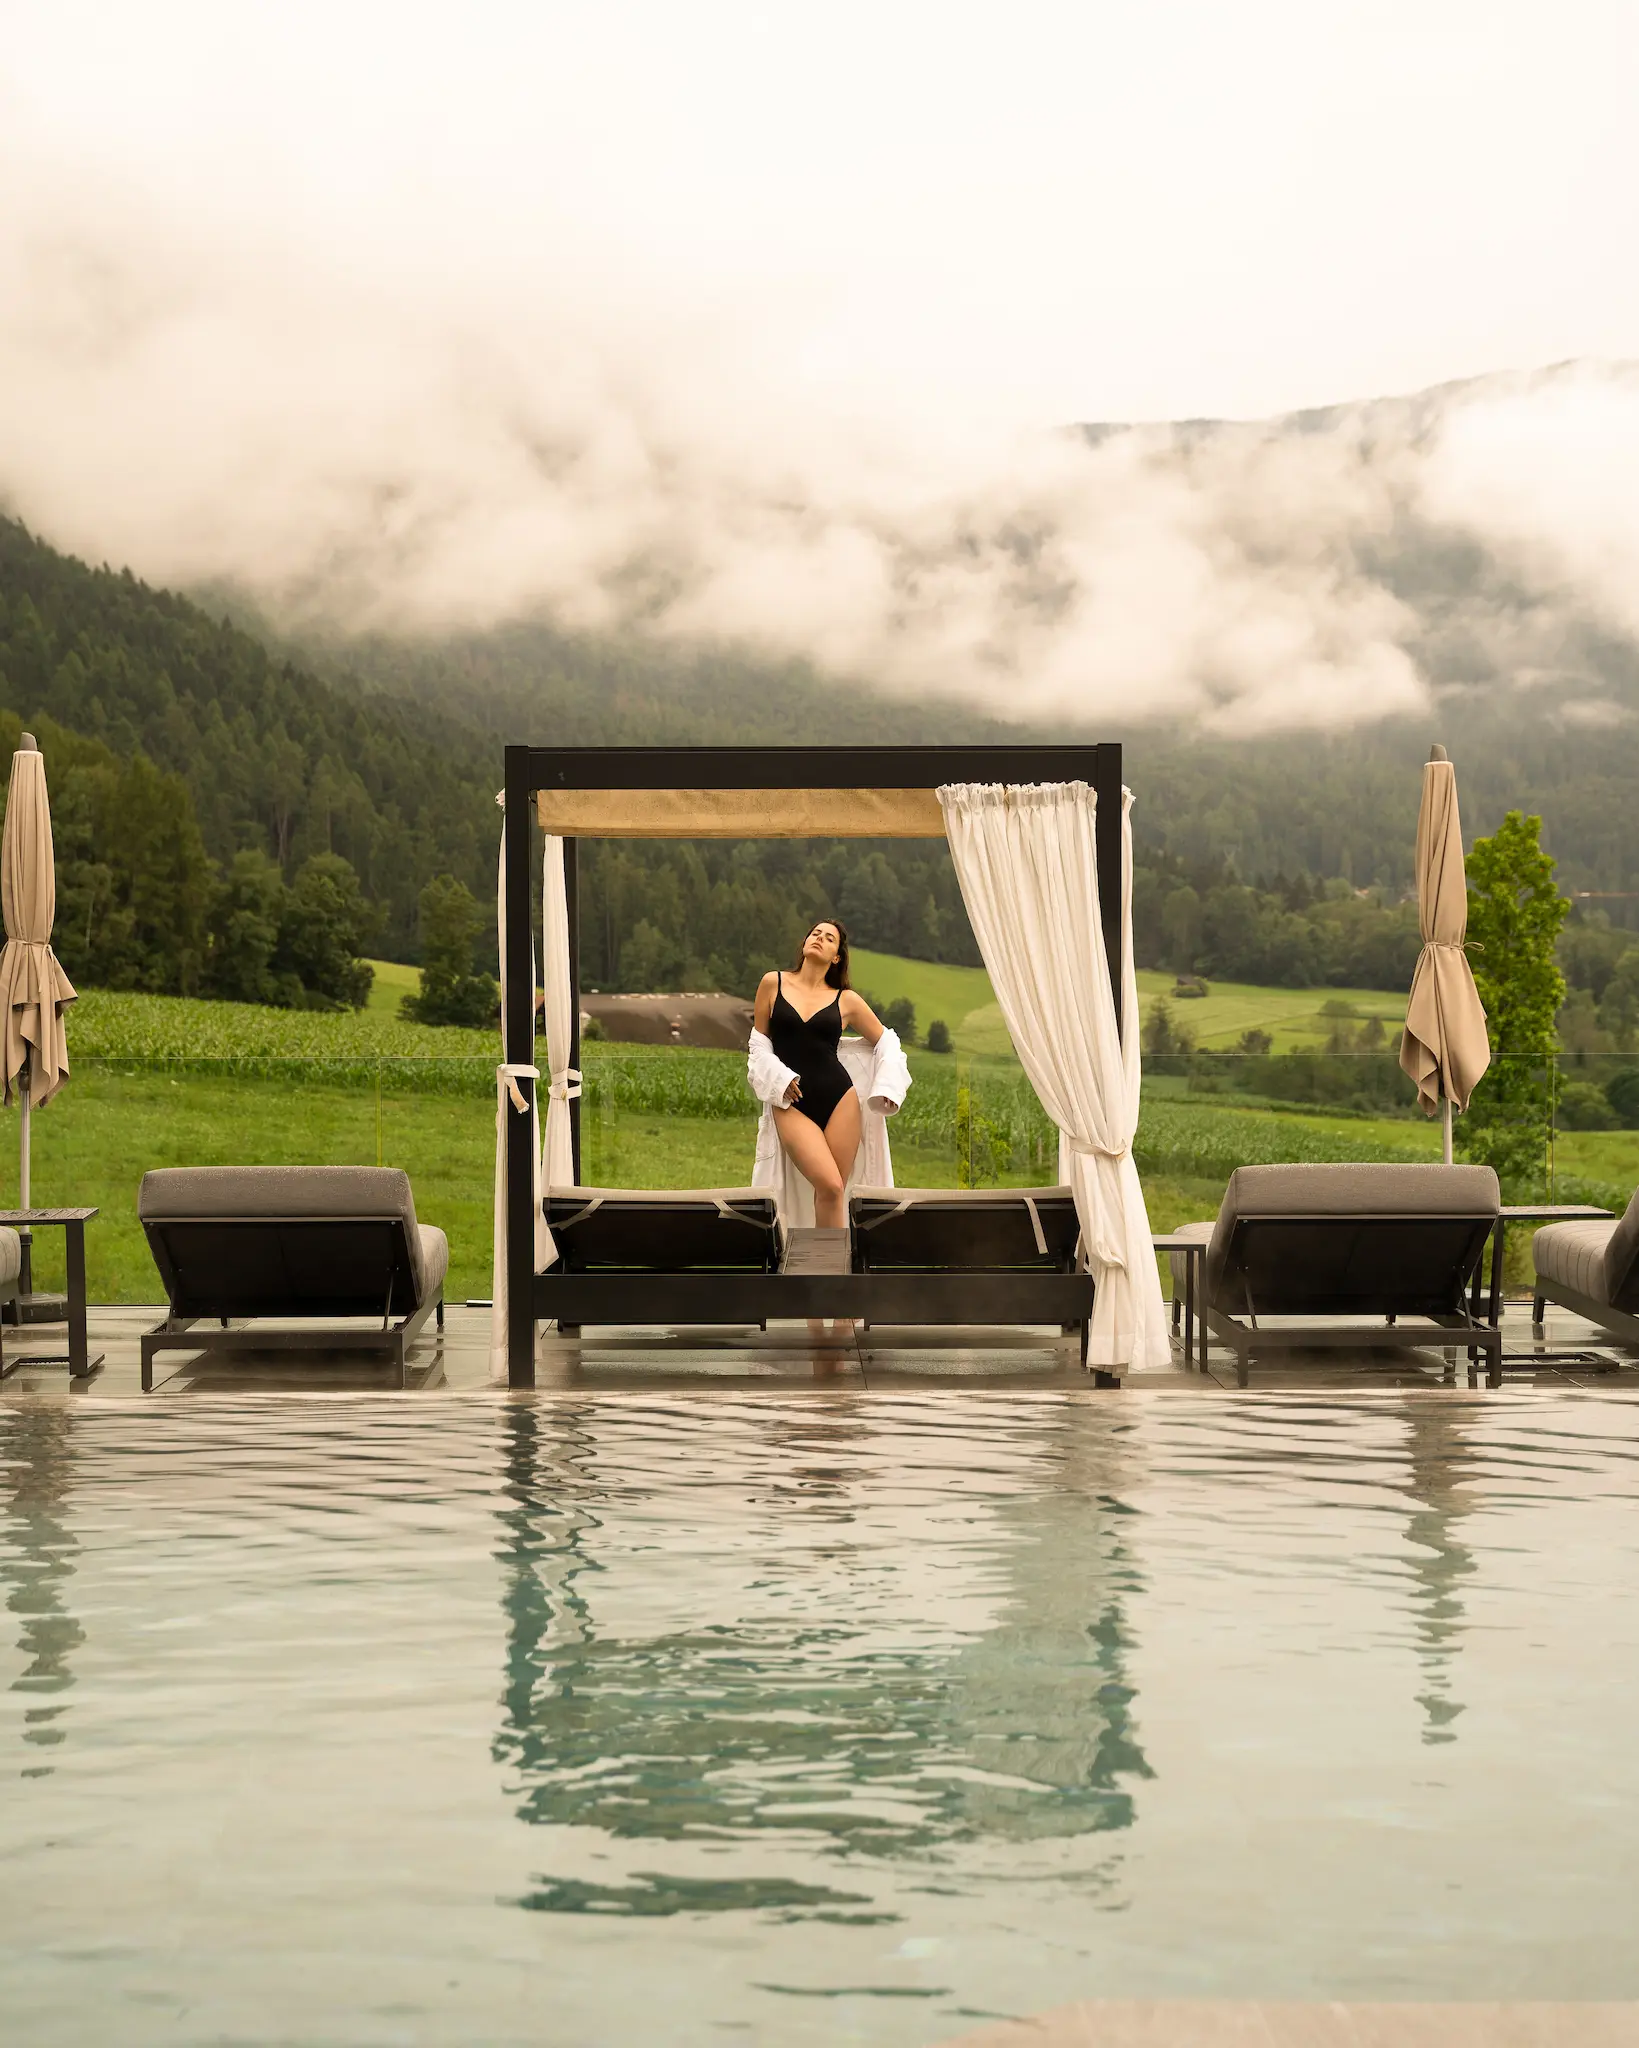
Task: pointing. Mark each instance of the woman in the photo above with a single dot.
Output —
(803, 1014)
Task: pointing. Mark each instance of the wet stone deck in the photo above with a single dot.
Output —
(796, 1356)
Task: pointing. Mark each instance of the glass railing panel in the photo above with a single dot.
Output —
(664, 1116)
(117, 1118)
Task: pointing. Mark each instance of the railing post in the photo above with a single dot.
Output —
(520, 1051)
(571, 893)
(1107, 854)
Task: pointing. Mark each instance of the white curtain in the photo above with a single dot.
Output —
(509, 1101)
(563, 1080)
(1027, 864)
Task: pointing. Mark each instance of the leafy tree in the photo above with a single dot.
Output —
(453, 991)
(1583, 1107)
(650, 961)
(1162, 1035)
(1619, 1006)
(327, 924)
(247, 916)
(1514, 917)
(1181, 927)
(938, 1039)
(900, 1016)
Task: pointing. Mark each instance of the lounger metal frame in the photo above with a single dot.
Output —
(1618, 1321)
(179, 1332)
(528, 769)
(943, 1300)
(1302, 1334)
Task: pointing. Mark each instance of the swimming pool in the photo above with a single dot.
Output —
(806, 1718)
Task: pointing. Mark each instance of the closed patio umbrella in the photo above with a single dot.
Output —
(1444, 1047)
(34, 991)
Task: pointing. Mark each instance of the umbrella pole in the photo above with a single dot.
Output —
(1445, 1109)
(25, 1277)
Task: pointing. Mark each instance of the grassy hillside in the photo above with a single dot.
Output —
(168, 1081)
(963, 997)
(392, 983)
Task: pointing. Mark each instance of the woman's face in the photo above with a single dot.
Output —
(821, 944)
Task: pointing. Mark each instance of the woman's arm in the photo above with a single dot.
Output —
(764, 1007)
(857, 1015)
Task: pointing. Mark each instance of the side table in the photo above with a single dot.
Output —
(72, 1223)
(1540, 1212)
(1193, 1250)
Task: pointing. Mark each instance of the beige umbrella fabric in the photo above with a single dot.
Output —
(33, 988)
(1444, 1047)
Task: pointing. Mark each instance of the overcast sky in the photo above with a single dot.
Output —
(1148, 209)
(436, 315)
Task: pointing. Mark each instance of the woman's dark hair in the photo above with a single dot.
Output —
(836, 975)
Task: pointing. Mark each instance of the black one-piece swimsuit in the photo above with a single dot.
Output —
(809, 1044)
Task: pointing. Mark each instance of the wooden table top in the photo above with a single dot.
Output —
(46, 1215)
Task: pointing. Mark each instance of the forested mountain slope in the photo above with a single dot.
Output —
(202, 766)
(272, 759)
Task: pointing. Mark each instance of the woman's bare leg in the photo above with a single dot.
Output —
(842, 1138)
(809, 1149)
(806, 1145)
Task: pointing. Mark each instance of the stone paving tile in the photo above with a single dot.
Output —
(1213, 2023)
(785, 1359)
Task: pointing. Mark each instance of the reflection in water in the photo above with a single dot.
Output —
(925, 1644)
(1440, 1458)
(37, 1556)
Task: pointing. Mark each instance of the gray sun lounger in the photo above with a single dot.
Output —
(611, 1235)
(985, 1255)
(638, 1257)
(1591, 1268)
(1328, 1247)
(307, 1242)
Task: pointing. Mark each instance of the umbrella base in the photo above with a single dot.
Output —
(37, 1308)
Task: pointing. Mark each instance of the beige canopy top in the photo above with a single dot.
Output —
(741, 813)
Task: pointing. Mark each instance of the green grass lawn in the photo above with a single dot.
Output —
(1292, 1016)
(393, 982)
(93, 1144)
(165, 1081)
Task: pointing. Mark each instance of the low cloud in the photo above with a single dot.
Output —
(372, 448)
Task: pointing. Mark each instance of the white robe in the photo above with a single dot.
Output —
(881, 1078)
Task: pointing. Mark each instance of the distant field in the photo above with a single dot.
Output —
(1292, 1016)
(392, 983)
(161, 1080)
(964, 998)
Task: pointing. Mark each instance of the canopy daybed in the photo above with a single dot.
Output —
(1041, 840)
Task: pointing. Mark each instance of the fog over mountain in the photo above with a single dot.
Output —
(354, 450)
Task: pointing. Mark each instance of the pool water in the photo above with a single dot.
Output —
(800, 1719)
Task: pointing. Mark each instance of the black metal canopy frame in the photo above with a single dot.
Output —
(530, 770)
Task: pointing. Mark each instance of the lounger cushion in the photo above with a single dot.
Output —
(669, 1230)
(11, 1256)
(964, 1229)
(240, 1194)
(1578, 1256)
(434, 1248)
(1408, 1193)
(1622, 1259)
